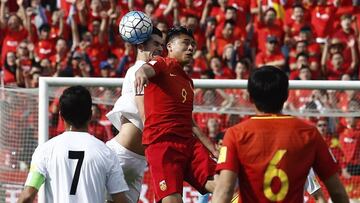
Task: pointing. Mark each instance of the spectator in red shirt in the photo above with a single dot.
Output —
(322, 19)
(227, 37)
(192, 22)
(58, 26)
(298, 21)
(299, 98)
(45, 47)
(346, 34)
(97, 128)
(10, 68)
(231, 13)
(302, 59)
(306, 34)
(350, 142)
(60, 58)
(14, 31)
(272, 55)
(267, 26)
(220, 71)
(331, 140)
(301, 46)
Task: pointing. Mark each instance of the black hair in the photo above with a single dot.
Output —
(230, 8)
(209, 73)
(219, 136)
(75, 106)
(268, 89)
(230, 21)
(156, 31)
(304, 54)
(112, 55)
(45, 27)
(297, 5)
(305, 29)
(177, 31)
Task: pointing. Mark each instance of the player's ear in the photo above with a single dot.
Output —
(169, 46)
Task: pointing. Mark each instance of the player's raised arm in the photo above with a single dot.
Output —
(142, 77)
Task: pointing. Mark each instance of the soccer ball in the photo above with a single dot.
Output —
(135, 27)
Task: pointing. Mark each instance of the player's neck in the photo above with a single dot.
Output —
(258, 112)
(75, 129)
(142, 57)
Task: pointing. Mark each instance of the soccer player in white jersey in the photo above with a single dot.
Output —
(127, 115)
(75, 166)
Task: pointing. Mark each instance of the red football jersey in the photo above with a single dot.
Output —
(168, 101)
(272, 155)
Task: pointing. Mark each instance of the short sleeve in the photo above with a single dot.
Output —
(228, 157)
(159, 65)
(324, 164)
(115, 181)
(38, 172)
(38, 160)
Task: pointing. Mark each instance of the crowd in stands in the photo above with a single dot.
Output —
(309, 39)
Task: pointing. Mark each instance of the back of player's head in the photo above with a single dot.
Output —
(177, 31)
(75, 106)
(268, 89)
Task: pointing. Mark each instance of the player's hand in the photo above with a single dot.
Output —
(141, 80)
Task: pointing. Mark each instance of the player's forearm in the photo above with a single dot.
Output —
(225, 185)
(148, 70)
(205, 140)
(28, 195)
(336, 189)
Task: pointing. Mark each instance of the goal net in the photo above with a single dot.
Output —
(217, 106)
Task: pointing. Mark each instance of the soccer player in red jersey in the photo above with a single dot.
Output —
(173, 153)
(271, 154)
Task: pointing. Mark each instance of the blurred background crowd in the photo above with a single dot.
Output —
(308, 39)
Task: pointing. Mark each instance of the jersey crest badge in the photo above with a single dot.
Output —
(162, 185)
(222, 155)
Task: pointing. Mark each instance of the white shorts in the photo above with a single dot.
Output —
(133, 166)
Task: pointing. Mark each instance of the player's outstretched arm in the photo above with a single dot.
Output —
(142, 77)
(336, 189)
(119, 198)
(28, 195)
(224, 188)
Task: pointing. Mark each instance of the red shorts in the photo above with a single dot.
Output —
(178, 160)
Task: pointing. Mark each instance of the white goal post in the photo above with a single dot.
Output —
(46, 82)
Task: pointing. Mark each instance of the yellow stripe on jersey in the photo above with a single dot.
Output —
(235, 198)
(35, 179)
(271, 117)
(222, 155)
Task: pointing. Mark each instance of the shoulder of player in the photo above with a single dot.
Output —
(135, 67)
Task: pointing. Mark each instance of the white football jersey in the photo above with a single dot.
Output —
(126, 105)
(78, 168)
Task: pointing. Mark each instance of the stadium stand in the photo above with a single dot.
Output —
(309, 39)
